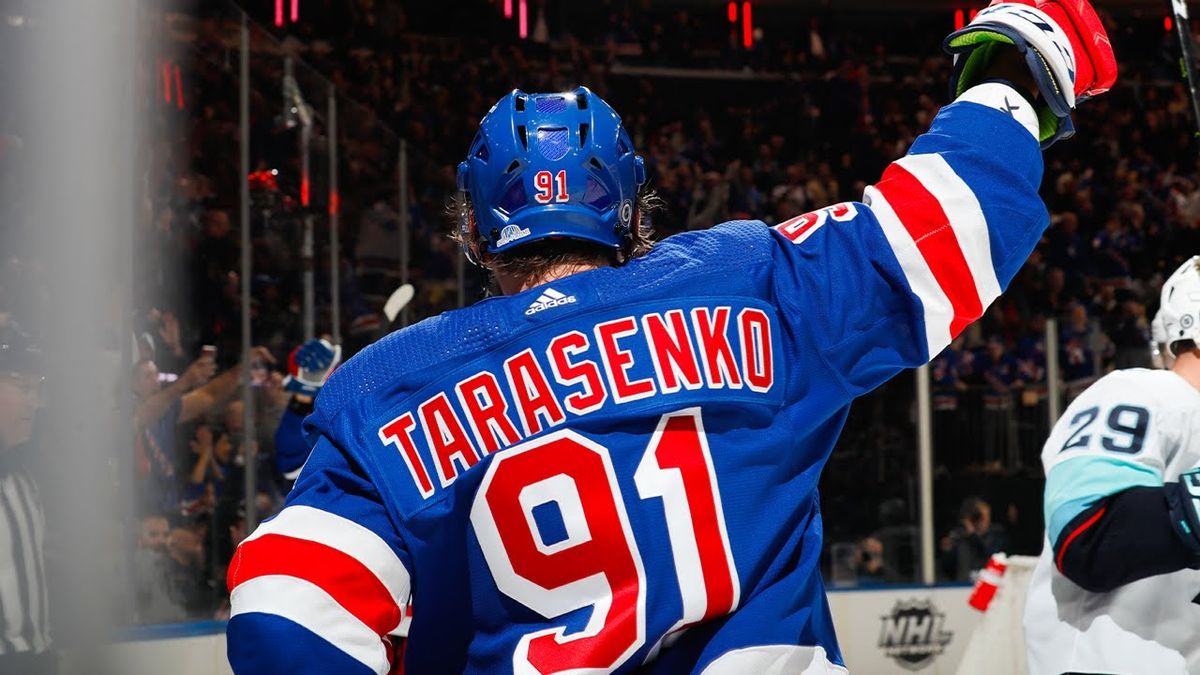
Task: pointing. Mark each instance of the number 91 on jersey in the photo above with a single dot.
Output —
(598, 564)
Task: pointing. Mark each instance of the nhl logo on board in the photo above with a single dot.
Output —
(912, 634)
(511, 233)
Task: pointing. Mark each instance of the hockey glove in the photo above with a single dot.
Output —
(309, 366)
(1064, 44)
(1184, 501)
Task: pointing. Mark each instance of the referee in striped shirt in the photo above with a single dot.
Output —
(24, 627)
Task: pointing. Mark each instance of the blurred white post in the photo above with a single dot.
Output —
(81, 121)
(404, 233)
(335, 253)
(249, 433)
(1053, 376)
(925, 471)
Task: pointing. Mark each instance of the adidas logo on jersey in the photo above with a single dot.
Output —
(548, 299)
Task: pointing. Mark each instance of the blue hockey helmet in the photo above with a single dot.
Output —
(551, 166)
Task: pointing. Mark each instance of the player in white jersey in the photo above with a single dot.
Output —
(1117, 588)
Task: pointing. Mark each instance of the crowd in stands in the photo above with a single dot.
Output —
(807, 117)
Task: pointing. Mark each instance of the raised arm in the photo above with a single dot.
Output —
(221, 387)
(937, 239)
(154, 406)
(900, 274)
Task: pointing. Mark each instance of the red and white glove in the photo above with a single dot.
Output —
(1064, 44)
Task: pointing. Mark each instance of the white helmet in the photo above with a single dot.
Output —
(1180, 310)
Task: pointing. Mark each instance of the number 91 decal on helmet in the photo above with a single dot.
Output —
(546, 166)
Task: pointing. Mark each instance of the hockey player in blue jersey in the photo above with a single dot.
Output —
(613, 466)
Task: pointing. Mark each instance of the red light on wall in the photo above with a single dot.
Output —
(523, 19)
(166, 81)
(304, 188)
(1168, 24)
(959, 21)
(731, 12)
(508, 9)
(335, 203)
(747, 26)
(974, 13)
(172, 83)
(178, 88)
(294, 13)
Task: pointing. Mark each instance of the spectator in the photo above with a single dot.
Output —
(1000, 372)
(153, 600)
(969, 546)
(948, 389)
(213, 451)
(191, 594)
(153, 537)
(1129, 331)
(871, 568)
(159, 409)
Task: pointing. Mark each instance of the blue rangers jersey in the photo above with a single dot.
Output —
(617, 470)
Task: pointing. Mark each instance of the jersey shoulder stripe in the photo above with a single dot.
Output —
(312, 609)
(1077, 484)
(333, 531)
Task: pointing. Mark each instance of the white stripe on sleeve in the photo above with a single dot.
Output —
(347, 536)
(938, 310)
(962, 208)
(315, 610)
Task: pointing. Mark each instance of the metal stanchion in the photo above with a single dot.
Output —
(1053, 376)
(335, 254)
(925, 471)
(406, 313)
(248, 427)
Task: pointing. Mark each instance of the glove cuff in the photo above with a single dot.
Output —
(1006, 97)
(1047, 48)
(1185, 509)
(296, 385)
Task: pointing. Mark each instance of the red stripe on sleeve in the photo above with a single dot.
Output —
(343, 577)
(1062, 551)
(922, 215)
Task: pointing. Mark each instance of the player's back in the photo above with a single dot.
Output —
(1131, 428)
(667, 479)
(590, 475)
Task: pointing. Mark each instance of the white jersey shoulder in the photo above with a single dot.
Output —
(1138, 415)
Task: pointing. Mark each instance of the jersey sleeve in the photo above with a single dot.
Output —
(291, 445)
(322, 586)
(887, 283)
